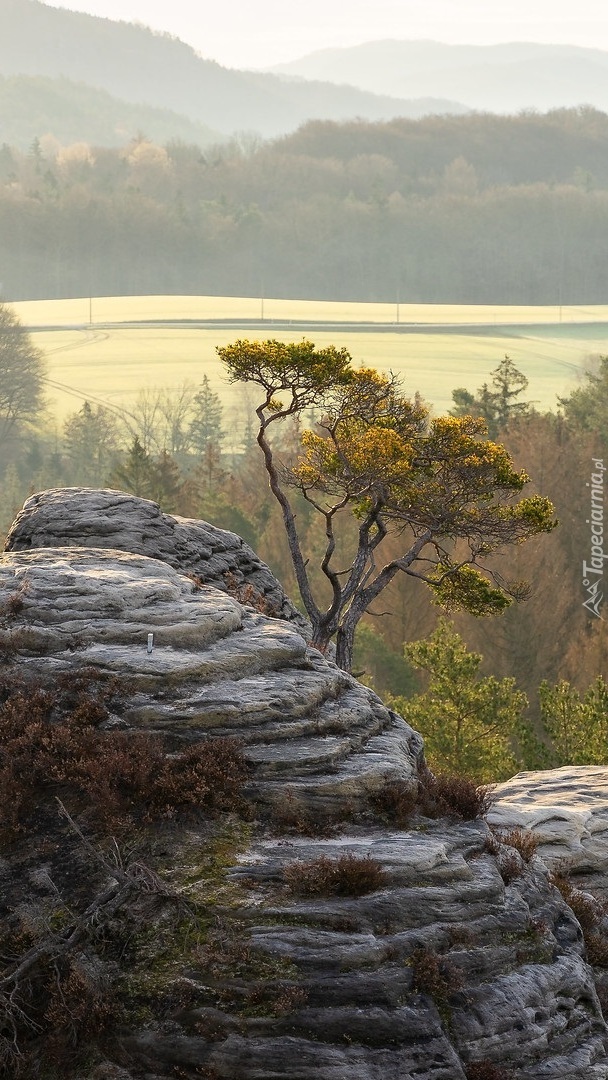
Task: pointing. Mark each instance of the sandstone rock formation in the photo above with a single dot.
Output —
(215, 667)
(567, 811)
(461, 961)
(64, 517)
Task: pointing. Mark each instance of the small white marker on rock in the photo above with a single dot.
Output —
(150, 643)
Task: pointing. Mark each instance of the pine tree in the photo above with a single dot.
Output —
(468, 723)
(136, 473)
(496, 402)
(377, 458)
(92, 442)
(577, 728)
(206, 424)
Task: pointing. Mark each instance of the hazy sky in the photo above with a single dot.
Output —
(258, 33)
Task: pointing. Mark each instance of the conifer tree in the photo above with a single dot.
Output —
(448, 493)
(467, 722)
(497, 402)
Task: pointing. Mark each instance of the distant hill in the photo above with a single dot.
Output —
(476, 209)
(73, 112)
(139, 66)
(495, 78)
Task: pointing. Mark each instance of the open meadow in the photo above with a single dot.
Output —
(106, 350)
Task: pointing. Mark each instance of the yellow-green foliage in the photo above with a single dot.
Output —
(466, 721)
(576, 725)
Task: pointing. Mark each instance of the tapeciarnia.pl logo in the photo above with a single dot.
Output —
(593, 571)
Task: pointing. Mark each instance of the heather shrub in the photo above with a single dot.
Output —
(587, 909)
(486, 1070)
(510, 865)
(597, 949)
(297, 821)
(437, 795)
(591, 914)
(602, 993)
(51, 743)
(512, 850)
(523, 840)
(434, 975)
(349, 875)
(67, 1004)
(13, 605)
(396, 801)
(444, 795)
(291, 815)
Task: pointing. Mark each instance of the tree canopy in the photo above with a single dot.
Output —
(475, 209)
(586, 408)
(575, 725)
(467, 722)
(496, 402)
(21, 374)
(448, 493)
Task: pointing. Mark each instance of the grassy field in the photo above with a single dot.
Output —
(108, 349)
(120, 309)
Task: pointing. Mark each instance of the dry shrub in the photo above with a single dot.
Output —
(602, 993)
(51, 743)
(434, 975)
(588, 910)
(247, 978)
(289, 999)
(523, 840)
(510, 865)
(349, 875)
(460, 937)
(509, 860)
(444, 795)
(597, 950)
(486, 1070)
(246, 593)
(79, 1008)
(67, 1007)
(291, 815)
(438, 795)
(209, 774)
(591, 914)
(228, 950)
(272, 999)
(13, 605)
(396, 801)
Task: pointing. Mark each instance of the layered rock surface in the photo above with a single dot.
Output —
(216, 667)
(85, 517)
(448, 961)
(567, 810)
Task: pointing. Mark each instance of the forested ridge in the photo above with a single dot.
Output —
(72, 111)
(468, 209)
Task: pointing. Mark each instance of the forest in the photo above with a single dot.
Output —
(174, 450)
(452, 209)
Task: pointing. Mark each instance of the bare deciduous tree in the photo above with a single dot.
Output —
(21, 375)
